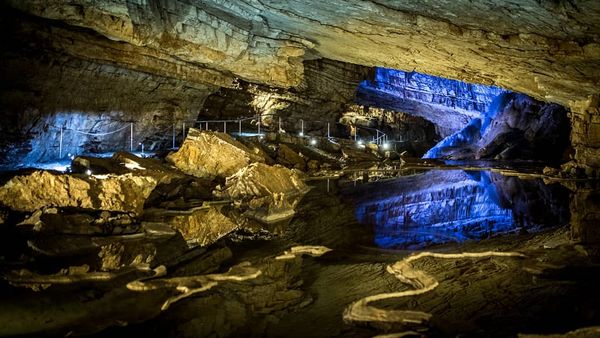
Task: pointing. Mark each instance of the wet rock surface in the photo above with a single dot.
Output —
(268, 194)
(199, 226)
(198, 271)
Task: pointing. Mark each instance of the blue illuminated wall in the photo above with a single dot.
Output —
(432, 89)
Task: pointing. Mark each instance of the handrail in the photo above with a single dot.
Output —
(378, 139)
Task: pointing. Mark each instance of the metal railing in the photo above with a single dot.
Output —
(240, 128)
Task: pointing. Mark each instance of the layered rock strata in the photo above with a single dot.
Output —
(45, 189)
(549, 50)
(517, 127)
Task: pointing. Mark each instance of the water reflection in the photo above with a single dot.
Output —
(454, 205)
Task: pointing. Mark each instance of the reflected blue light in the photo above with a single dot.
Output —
(447, 206)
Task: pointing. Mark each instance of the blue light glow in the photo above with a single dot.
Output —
(432, 89)
(444, 206)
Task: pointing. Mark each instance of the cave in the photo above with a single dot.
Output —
(187, 168)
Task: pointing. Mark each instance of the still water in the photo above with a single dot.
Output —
(441, 206)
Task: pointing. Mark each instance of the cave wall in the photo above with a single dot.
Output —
(449, 104)
(47, 84)
(547, 49)
(515, 127)
(326, 91)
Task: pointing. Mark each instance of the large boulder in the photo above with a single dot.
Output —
(108, 192)
(207, 154)
(174, 189)
(270, 193)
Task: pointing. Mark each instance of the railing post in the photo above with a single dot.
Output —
(131, 137)
(183, 130)
(225, 127)
(258, 126)
(60, 142)
(279, 131)
(240, 126)
(302, 127)
(328, 135)
(206, 126)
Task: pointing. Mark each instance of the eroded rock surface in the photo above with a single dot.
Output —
(545, 49)
(202, 226)
(515, 128)
(45, 189)
(207, 154)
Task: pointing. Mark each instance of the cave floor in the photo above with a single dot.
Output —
(548, 286)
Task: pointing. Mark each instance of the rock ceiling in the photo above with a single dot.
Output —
(548, 49)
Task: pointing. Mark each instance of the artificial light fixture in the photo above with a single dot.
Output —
(88, 172)
(313, 142)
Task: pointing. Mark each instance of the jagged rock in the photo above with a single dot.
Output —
(290, 158)
(259, 180)
(208, 154)
(516, 127)
(174, 188)
(549, 171)
(45, 189)
(75, 222)
(202, 226)
(269, 192)
(258, 148)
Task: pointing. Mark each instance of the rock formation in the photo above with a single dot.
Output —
(449, 104)
(515, 127)
(201, 226)
(45, 189)
(545, 49)
(209, 155)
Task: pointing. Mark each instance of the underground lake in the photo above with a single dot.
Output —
(264, 168)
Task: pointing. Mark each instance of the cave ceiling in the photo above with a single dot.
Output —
(547, 49)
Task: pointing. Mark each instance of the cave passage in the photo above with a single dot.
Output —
(356, 168)
(474, 121)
